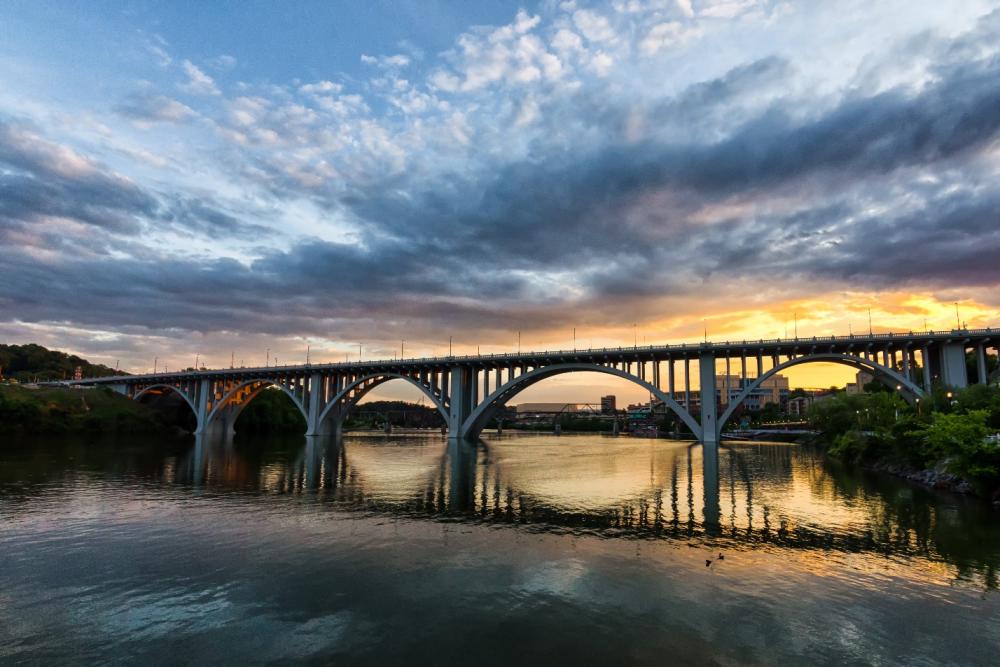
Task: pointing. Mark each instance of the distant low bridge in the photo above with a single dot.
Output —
(469, 391)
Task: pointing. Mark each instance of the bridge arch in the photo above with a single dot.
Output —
(255, 386)
(486, 410)
(177, 390)
(883, 374)
(168, 389)
(349, 396)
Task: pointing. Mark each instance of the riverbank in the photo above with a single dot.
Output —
(64, 410)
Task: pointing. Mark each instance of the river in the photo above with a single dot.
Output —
(522, 550)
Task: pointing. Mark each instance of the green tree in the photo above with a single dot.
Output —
(961, 440)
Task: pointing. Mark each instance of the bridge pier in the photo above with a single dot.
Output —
(461, 401)
(953, 370)
(709, 405)
(202, 392)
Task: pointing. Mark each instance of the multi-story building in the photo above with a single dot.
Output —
(609, 404)
(860, 380)
(774, 389)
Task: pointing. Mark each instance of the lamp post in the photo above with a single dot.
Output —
(267, 359)
(402, 347)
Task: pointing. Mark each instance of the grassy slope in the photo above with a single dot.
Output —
(59, 410)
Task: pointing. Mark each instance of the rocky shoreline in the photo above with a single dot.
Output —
(937, 478)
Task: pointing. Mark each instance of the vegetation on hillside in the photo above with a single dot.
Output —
(374, 414)
(27, 363)
(271, 411)
(65, 410)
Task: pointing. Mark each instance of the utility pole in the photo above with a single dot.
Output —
(267, 361)
(197, 358)
(232, 358)
(958, 322)
(449, 346)
(155, 359)
(869, 321)
(307, 355)
(359, 351)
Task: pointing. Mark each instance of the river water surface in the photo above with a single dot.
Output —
(530, 549)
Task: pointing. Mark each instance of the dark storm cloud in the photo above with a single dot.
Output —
(41, 180)
(524, 213)
(953, 240)
(199, 215)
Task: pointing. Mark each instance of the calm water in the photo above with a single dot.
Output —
(535, 549)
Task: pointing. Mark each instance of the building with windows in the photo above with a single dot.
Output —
(860, 380)
(609, 404)
(774, 389)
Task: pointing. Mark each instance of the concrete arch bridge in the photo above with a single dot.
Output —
(468, 391)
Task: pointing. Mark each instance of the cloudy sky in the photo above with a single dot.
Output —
(181, 179)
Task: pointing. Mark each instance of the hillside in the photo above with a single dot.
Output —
(66, 410)
(26, 363)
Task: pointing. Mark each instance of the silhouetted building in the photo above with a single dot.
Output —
(609, 404)
(860, 380)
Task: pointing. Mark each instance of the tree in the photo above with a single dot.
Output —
(961, 440)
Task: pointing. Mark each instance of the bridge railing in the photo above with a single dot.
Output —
(530, 355)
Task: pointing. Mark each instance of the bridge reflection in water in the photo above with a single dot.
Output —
(753, 495)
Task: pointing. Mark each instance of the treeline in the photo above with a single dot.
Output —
(398, 413)
(271, 411)
(27, 363)
(948, 429)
